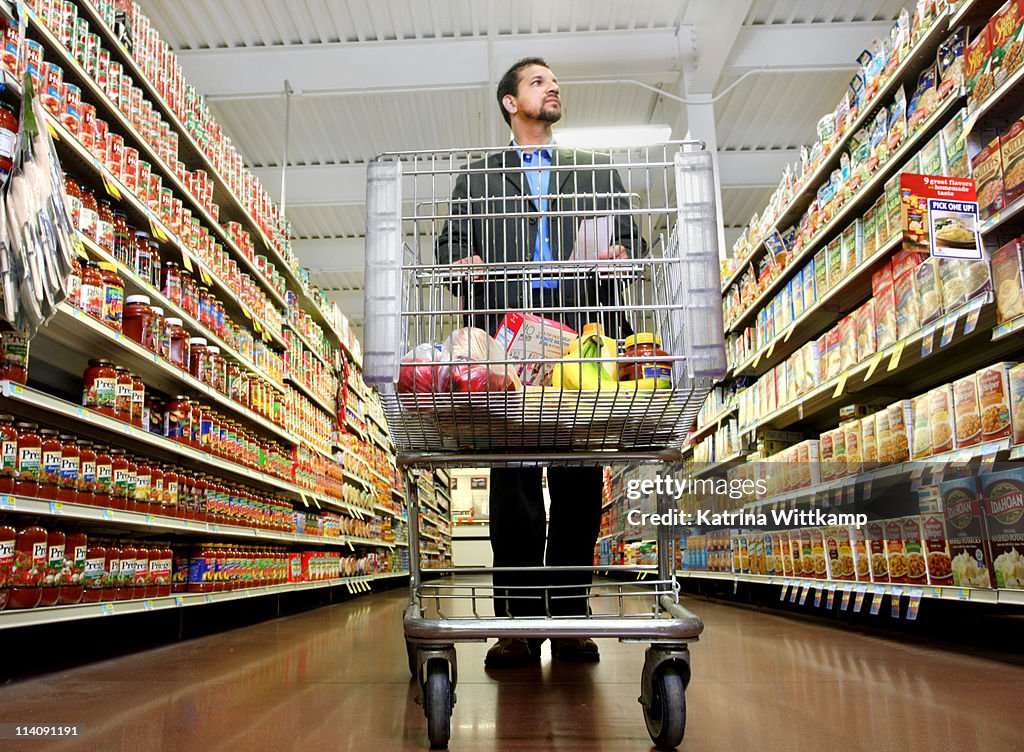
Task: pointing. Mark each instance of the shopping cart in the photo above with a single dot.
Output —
(654, 207)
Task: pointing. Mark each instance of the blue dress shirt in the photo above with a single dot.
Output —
(538, 180)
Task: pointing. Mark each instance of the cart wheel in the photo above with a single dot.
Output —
(437, 704)
(666, 717)
(410, 651)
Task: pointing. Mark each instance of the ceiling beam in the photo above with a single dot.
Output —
(814, 46)
(317, 185)
(715, 28)
(333, 254)
(425, 64)
(349, 301)
(761, 168)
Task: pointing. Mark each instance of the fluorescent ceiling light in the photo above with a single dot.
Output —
(623, 135)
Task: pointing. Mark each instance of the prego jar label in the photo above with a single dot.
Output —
(29, 462)
(9, 455)
(94, 571)
(102, 393)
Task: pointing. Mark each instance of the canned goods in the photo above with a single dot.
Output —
(167, 208)
(130, 169)
(71, 112)
(53, 88)
(114, 72)
(100, 131)
(145, 183)
(102, 67)
(90, 55)
(80, 38)
(65, 21)
(135, 106)
(115, 154)
(156, 190)
(34, 61)
(87, 129)
(11, 47)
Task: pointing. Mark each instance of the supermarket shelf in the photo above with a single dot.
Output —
(87, 165)
(1004, 215)
(714, 467)
(382, 424)
(836, 303)
(443, 476)
(430, 536)
(709, 428)
(397, 493)
(1005, 100)
(1004, 330)
(944, 592)
(142, 521)
(973, 13)
(10, 618)
(310, 394)
(110, 111)
(173, 309)
(922, 53)
(72, 337)
(823, 400)
(856, 206)
(308, 345)
(358, 481)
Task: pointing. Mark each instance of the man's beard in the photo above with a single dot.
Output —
(550, 114)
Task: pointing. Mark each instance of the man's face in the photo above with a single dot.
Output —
(538, 95)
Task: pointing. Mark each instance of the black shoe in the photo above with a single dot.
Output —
(575, 650)
(512, 652)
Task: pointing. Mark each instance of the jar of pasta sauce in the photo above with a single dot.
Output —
(87, 473)
(49, 472)
(55, 544)
(126, 574)
(8, 454)
(123, 394)
(142, 576)
(104, 485)
(171, 481)
(94, 573)
(178, 420)
(113, 295)
(157, 497)
(218, 369)
(198, 359)
(163, 571)
(70, 469)
(178, 344)
(112, 577)
(160, 334)
(138, 403)
(8, 135)
(91, 292)
(8, 536)
(138, 321)
(99, 387)
(72, 576)
(124, 479)
(181, 567)
(30, 555)
(202, 570)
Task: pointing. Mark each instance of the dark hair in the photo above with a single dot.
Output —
(509, 83)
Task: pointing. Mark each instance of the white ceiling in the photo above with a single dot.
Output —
(371, 76)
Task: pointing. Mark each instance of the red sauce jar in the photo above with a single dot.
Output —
(218, 378)
(143, 487)
(72, 578)
(142, 256)
(75, 283)
(55, 545)
(171, 282)
(163, 573)
(160, 335)
(180, 571)
(123, 394)
(88, 213)
(91, 293)
(14, 347)
(124, 479)
(202, 570)
(198, 359)
(87, 473)
(112, 577)
(196, 423)
(70, 469)
(178, 420)
(49, 472)
(142, 575)
(126, 575)
(122, 238)
(99, 387)
(8, 536)
(138, 321)
(8, 454)
(138, 403)
(178, 348)
(105, 226)
(202, 488)
(8, 123)
(95, 573)
(74, 194)
(189, 295)
(171, 480)
(158, 497)
(29, 567)
(104, 485)
(113, 296)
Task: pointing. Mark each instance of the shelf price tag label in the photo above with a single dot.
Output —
(949, 329)
(876, 600)
(157, 230)
(148, 605)
(897, 353)
(109, 185)
(964, 594)
(915, 603)
(789, 333)
(8, 503)
(858, 602)
(804, 591)
(771, 349)
(205, 276)
(108, 514)
(875, 362)
(830, 601)
(841, 385)
(794, 592)
(895, 602)
(186, 260)
(847, 592)
(972, 319)
(56, 508)
(818, 592)
(53, 131)
(179, 600)
(927, 341)
(107, 609)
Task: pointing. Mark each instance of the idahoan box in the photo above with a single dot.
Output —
(1003, 497)
(970, 562)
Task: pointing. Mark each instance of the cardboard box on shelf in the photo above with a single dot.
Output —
(994, 400)
(921, 431)
(1008, 281)
(978, 69)
(839, 554)
(836, 271)
(821, 277)
(818, 553)
(883, 437)
(936, 550)
(826, 447)
(870, 233)
(940, 413)
(908, 314)
(1005, 31)
(865, 328)
(952, 284)
(954, 148)
(877, 553)
(901, 425)
(970, 562)
(966, 412)
(810, 277)
(885, 307)
(854, 452)
(869, 442)
(1011, 144)
(929, 292)
(894, 552)
(1017, 403)
(987, 168)
(1003, 497)
(861, 554)
(847, 342)
(914, 551)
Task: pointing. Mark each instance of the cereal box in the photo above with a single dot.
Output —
(921, 433)
(853, 440)
(883, 230)
(929, 294)
(987, 167)
(962, 511)
(839, 553)
(908, 315)
(1017, 403)
(952, 284)
(883, 437)
(1003, 498)
(853, 246)
(876, 550)
(894, 552)
(1011, 144)
(913, 551)
(835, 262)
(994, 398)
(865, 328)
(885, 307)
(978, 69)
(868, 441)
(861, 557)
(966, 412)
(1007, 47)
(901, 426)
(936, 550)
(940, 410)
(796, 286)
(1008, 281)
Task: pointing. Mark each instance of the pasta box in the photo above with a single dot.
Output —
(1011, 144)
(987, 166)
(908, 314)
(970, 563)
(876, 552)
(1003, 507)
(936, 550)
(861, 555)
(1007, 46)
(994, 400)
(839, 553)
(901, 423)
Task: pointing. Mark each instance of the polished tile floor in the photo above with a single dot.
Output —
(335, 679)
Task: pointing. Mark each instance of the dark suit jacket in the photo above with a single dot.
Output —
(496, 219)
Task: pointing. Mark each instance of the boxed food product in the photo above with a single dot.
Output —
(1012, 146)
(839, 554)
(817, 539)
(787, 553)
(826, 447)
(883, 230)
(987, 167)
(913, 551)
(936, 550)
(1005, 31)
(870, 233)
(894, 552)
(809, 277)
(1003, 495)
(868, 441)
(952, 284)
(908, 315)
(853, 246)
(1017, 403)
(965, 531)
(966, 412)
(528, 338)
(950, 62)
(885, 307)
(901, 425)
(808, 469)
(821, 278)
(921, 433)
(893, 201)
(847, 342)
(785, 305)
(931, 157)
(924, 99)
(978, 69)
(929, 293)
(861, 556)
(906, 259)
(865, 328)
(796, 292)
(835, 262)
(839, 453)
(833, 353)
(1008, 281)
(977, 279)
(768, 554)
(883, 437)
(854, 452)
(994, 399)
(954, 148)
(940, 408)
(876, 550)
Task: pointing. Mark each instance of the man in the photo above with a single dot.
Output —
(525, 204)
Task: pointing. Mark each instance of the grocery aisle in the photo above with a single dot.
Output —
(335, 679)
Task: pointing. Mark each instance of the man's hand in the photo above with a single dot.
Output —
(614, 252)
(472, 260)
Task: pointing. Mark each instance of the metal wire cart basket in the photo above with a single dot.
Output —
(529, 308)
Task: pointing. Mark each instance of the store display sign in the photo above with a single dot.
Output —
(895, 602)
(858, 603)
(817, 597)
(876, 600)
(847, 592)
(915, 604)
(831, 597)
(940, 214)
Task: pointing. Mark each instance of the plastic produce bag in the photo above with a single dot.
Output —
(419, 370)
(471, 361)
